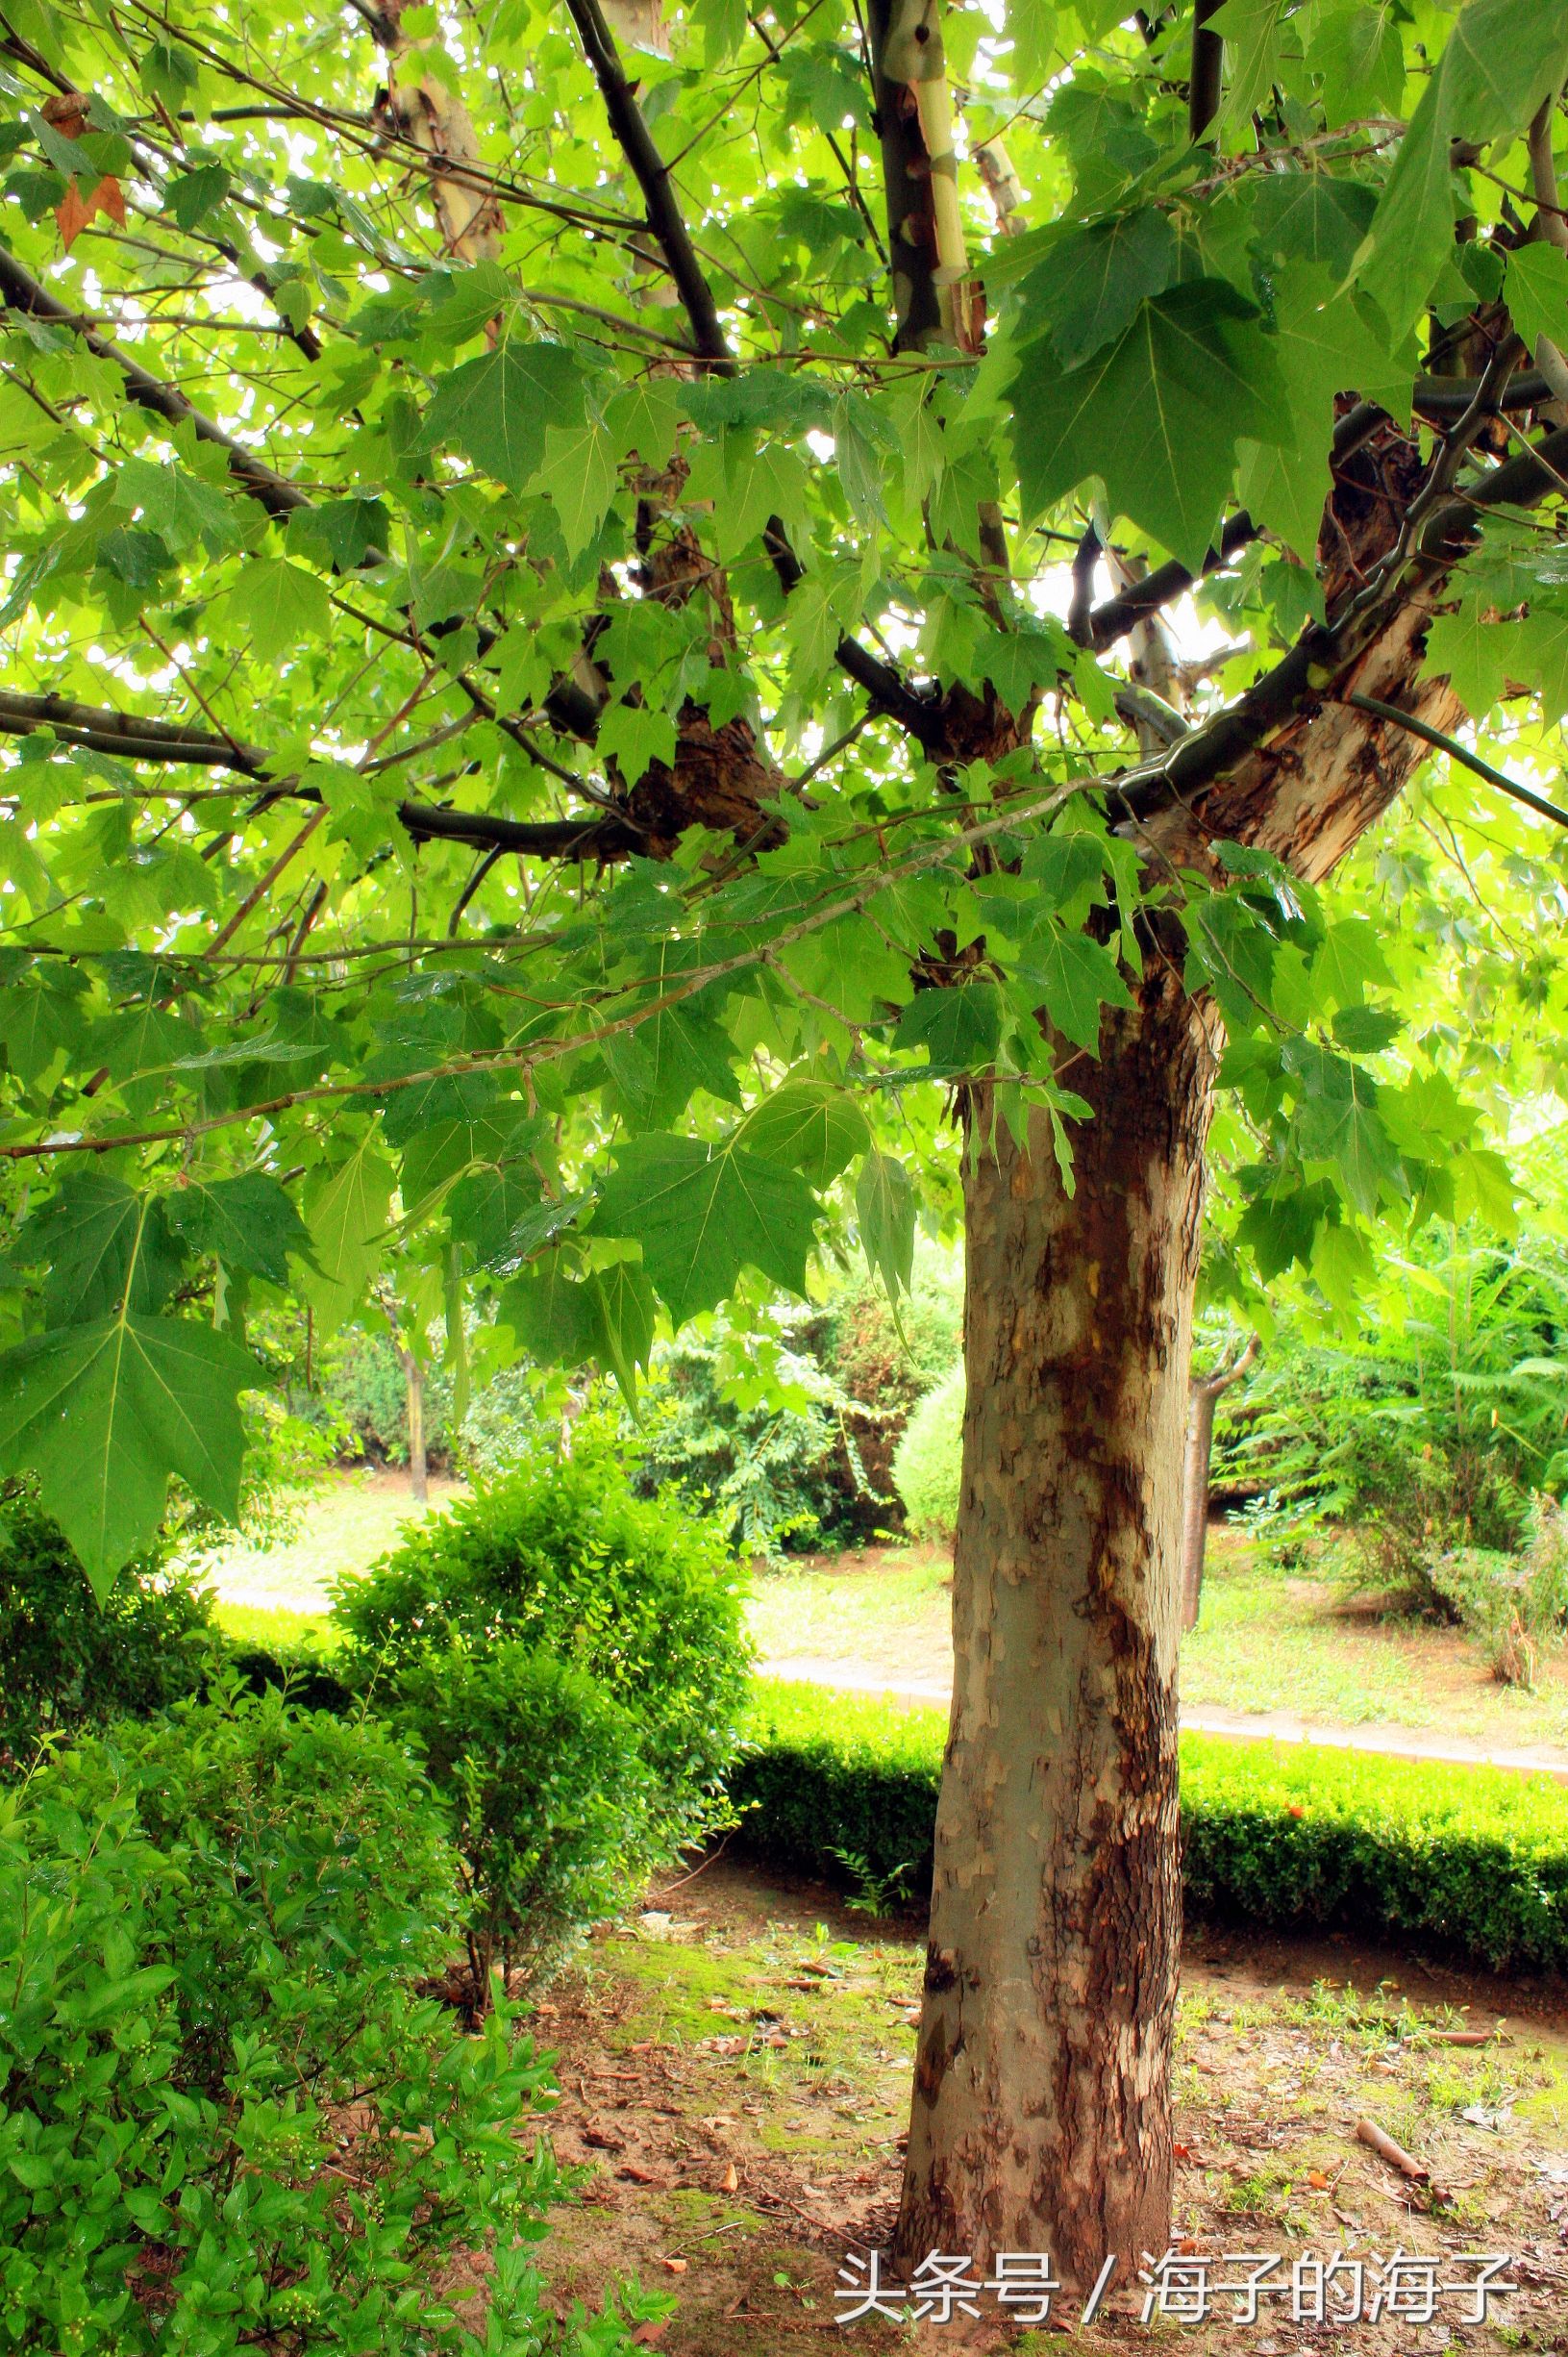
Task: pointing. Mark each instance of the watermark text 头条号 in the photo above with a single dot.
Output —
(1184, 2287)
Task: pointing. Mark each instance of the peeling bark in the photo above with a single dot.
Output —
(1041, 2109)
(423, 102)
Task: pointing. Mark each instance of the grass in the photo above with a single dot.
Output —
(736, 2075)
(1267, 1642)
(342, 1524)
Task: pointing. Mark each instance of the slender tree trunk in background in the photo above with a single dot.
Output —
(1041, 2108)
(1207, 1392)
(418, 1465)
(1195, 1514)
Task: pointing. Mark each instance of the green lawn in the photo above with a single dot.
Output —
(342, 1523)
(1266, 1642)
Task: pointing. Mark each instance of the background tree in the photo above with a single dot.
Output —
(586, 704)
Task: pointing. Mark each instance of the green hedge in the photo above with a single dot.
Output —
(1472, 1860)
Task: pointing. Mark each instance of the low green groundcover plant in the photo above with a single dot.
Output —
(227, 2120)
(1472, 1860)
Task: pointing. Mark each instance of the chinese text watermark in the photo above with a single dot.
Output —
(1184, 2287)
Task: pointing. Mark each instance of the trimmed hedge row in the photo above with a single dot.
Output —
(1471, 1860)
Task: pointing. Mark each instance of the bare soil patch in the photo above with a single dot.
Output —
(734, 2071)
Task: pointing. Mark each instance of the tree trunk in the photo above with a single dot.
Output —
(418, 1468)
(1205, 1400)
(1041, 2108)
(1205, 1394)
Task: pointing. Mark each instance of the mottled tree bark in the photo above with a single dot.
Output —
(1041, 2111)
(1207, 1392)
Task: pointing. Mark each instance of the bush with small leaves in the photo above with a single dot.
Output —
(1457, 1859)
(641, 1593)
(227, 2121)
(552, 1802)
(928, 1465)
(67, 1662)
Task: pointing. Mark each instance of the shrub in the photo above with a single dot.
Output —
(550, 1796)
(1515, 1604)
(928, 1465)
(67, 1662)
(759, 1466)
(1470, 1860)
(640, 1594)
(226, 2121)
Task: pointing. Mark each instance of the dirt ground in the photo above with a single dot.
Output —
(734, 2072)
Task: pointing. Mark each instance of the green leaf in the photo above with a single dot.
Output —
(191, 197)
(104, 1245)
(1249, 30)
(626, 1314)
(496, 1214)
(182, 506)
(342, 532)
(635, 737)
(1537, 292)
(103, 1414)
(701, 1214)
(885, 1207)
(809, 1126)
(960, 1029)
(1093, 280)
(1156, 415)
(498, 408)
(272, 607)
(247, 1222)
(579, 475)
(346, 1210)
(1075, 978)
(1500, 59)
(659, 1066)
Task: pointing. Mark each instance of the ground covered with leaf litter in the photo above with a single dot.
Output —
(734, 2071)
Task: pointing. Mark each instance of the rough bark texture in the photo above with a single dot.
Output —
(1041, 2109)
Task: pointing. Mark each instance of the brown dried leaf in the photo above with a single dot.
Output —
(75, 211)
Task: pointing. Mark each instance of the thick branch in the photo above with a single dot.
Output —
(1433, 398)
(1207, 68)
(1324, 650)
(126, 736)
(652, 175)
(21, 292)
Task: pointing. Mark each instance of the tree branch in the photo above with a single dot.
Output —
(21, 292)
(1208, 68)
(1454, 398)
(1323, 648)
(652, 175)
(1460, 753)
(127, 736)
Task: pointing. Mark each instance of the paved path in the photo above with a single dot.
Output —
(1389, 1741)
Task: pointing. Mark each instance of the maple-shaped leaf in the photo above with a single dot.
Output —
(1156, 414)
(703, 1213)
(78, 206)
(102, 1413)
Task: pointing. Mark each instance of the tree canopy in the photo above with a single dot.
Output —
(586, 611)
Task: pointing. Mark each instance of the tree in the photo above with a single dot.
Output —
(590, 711)
(1204, 1396)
